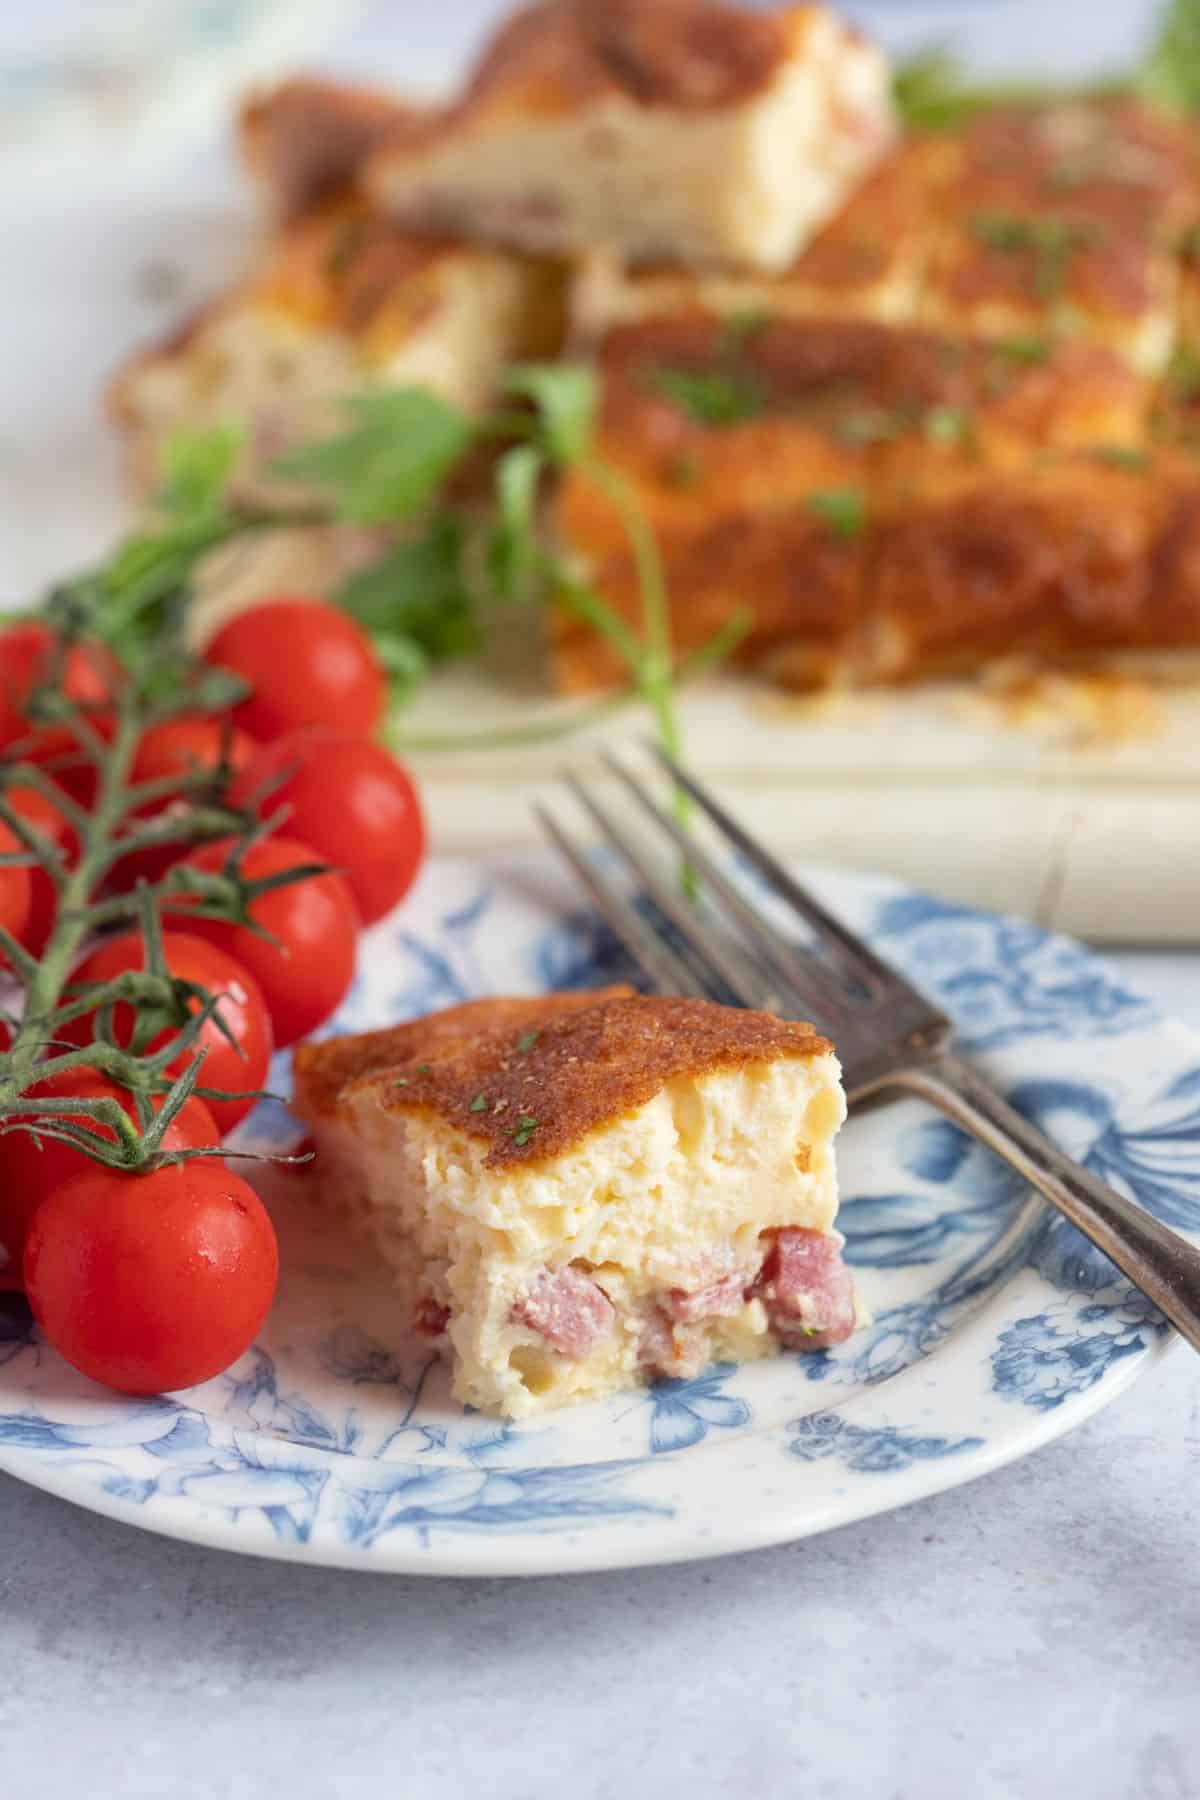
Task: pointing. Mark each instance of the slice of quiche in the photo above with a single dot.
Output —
(582, 1193)
(696, 130)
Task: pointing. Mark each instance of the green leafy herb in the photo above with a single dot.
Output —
(1171, 76)
(528, 1041)
(844, 510)
(197, 469)
(713, 397)
(424, 1068)
(479, 1104)
(512, 553)
(416, 602)
(398, 449)
(400, 1081)
(566, 397)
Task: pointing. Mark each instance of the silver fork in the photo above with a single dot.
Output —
(887, 1034)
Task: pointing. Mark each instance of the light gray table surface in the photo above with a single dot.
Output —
(1032, 1636)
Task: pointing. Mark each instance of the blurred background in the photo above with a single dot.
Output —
(120, 207)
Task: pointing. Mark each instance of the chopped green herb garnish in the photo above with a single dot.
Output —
(844, 510)
(713, 396)
(740, 327)
(1024, 349)
(424, 1068)
(1051, 240)
(685, 470)
(478, 1104)
(1119, 456)
(528, 1041)
(871, 425)
(524, 1131)
(1183, 374)
(947, 424)
(400, 1081)
(346, 245)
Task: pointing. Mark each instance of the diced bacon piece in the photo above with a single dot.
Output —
(430, 1316)
(806, 1288)
(568, 1309)
(720, 1299)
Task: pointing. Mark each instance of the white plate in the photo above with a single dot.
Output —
(996, 1328)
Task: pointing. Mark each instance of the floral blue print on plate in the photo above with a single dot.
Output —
(995, 1327)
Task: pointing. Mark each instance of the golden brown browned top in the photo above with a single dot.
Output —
(557, 56)
(534, 1088)
(322, 1070)
(306, 139)
(787, 401)
(1117, 160)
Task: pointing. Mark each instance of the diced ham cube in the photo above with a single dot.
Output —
(721, 1299)
(671, 1351)
(806, 1288)
(568, 1309)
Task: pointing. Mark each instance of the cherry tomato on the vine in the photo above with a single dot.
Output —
(235, 1066)
(352, 801)
(194, 743)
(197, 741)
(16, 890)
(25, 660)
(32, 1169)
(45, 817)
(308, 663)
(152, 1282)
(305, 973)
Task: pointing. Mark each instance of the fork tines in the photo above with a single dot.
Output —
(701, 932)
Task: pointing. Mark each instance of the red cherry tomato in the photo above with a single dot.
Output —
(194, 743)
(89, 676)
(25, 660)
(352, 801)
(243, 1011)
(45, 817)
(16, 890)
(305, 973)
(308, 664)
(152, 1282)
(29, 1169)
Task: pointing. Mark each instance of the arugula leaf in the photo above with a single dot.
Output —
(565, 395)
(512, 551)
(713, 396)
(398, 449)
(416, 603)
(197, 467)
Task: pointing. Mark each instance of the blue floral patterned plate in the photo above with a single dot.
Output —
(996, 1327)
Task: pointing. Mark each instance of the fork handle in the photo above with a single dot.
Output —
(1165, 1266)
